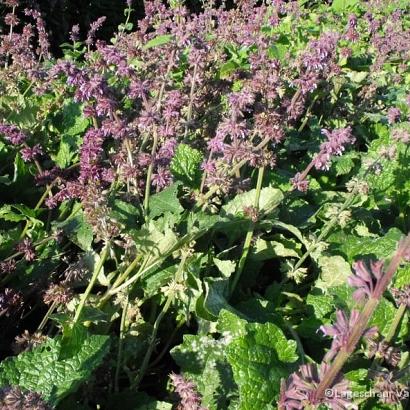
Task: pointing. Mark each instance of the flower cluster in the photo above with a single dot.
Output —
(14, 397)
(307, 387)
(190, 399)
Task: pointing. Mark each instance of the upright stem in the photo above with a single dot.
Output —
(170, 299)
(191, 101)
(47, 315)
(149, 174)
(38, 205)
(120, 346)
(249, 234)
(362, 321)
(151, 345)
(6, 64)
(239, 165)
(90, 286)
(396, 323)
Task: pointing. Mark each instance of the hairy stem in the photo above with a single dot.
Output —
(47, 316)
(395, 326)
(97, 270)
(249, 234)
(362, 322)
(120, 346)
(191, 102)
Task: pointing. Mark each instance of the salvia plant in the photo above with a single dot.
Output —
(209, 211)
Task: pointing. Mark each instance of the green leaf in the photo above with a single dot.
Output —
(259, 360)
(68, 150)
(202, 359)
(215, 299)
(158, 41)
(269, 199)
(402, 277)
(231, 323)
(73, 122)
(153, 243)
(126, 213)
(344, 164)
(7, 214)
(343, 5)
(40, 370)
(322, 303)
(77, 229)
(355, 247)
(264, 250)
(185, 166)
(165, 201)
(334, 272)
(227, 68)
(383, 318)
(225, 267)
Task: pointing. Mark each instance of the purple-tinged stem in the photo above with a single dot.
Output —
(363, 320)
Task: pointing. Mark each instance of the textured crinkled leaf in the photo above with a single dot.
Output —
(345, 163)
(259, 360)
(74, 122)
(231, 324)
(322, 304)
(126, 213)
(41, 370)
(185, 166)
(269, 199)
(202, 359)
(68, 150)
(383, 318)
(78, 230)
(165, 201)
(402, 277)
(334, 271)
(153, 243)
(355, 247)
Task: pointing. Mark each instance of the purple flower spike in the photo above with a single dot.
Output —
(393, 115)
(12, 134)
(364, 280)
(30, 153)
(342, 330)
(299, 391)
(186, 390)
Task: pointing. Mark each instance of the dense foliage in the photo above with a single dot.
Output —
(208, 212)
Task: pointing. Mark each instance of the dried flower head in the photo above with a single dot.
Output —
(401, 135)
(14, 398)
(390, 391)
(26, 247)
(57, 293)
(393, 115)
(380, 349)
(27, 341)
(10, 302)
(401, 296)
(7, 267)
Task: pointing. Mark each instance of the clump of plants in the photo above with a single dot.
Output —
(208, 212)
